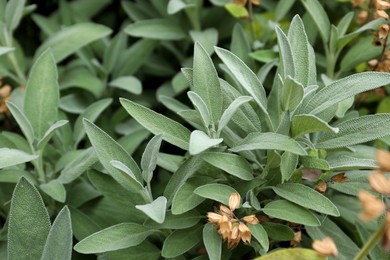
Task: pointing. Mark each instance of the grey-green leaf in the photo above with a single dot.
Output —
(306, 197)
(286, 210)
(206, 83)
(215, 191)
(180, 241)
(149, 158)
(292, 94)
(306, 123)
(173, 132)
(116, 237)
(200, 141)
(260, 234)
(27, 229)
(11, 157)
(269, 141)
(42, 94)
(351, 85)
(72, 38)
(288, 164)
(231, 163)
(59, 241)
(107, 149)
(159, 29)
(128, 83)
(13, 13)
(55, 190)
(22, 121)
(356, 131)
(245, 76)
(50, 132)
(201, 107)
(91, 113)
(231, 109)
(208, 38)
(156, 209)
(320, 17)
(212, 241)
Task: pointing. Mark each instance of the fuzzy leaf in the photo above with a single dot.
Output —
(27, 229)
(292, 94)
(212, 241)
(288, 165)
(11, 157)
(215, 191)
(173, 132)
(149, 158)
(42, 94)
(55, 190)
(72, 38)
(22, 121)
(59, 241)
(200, 141)
(269, 141)
(320, 17)
(155, 210)
(306, 197)
(180, 241)
(306, 123)
(285, 210)
(128, 83)
(201, 107)
(158, 29)
(116, 237)
(231, 110)
(260, 234)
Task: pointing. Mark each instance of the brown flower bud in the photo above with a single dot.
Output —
(297, 238)
(379, 183)
(245, 233)
(223, 210)
(383, 160)
(381, 14)
(251, 219)
(321, 187)
(234, 201)
(383, 31)
(325, 247)
(214, 217)
(372, 207)
(362, 17)
(381, 5)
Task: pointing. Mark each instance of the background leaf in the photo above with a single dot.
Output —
(212, 241)
(159, 29)
(215, 191)
(10, 157)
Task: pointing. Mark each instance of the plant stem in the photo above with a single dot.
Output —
(371, 242)
(250, 11)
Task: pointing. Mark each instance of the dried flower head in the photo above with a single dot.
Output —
(362, 17)
(383, 160)
(297, 238)
(325, 247)
(231, 228)
(381, 14)
(5, 93)
(321, 187)
(379, 183)
(383, 31)
(381, 5)
(372, 206)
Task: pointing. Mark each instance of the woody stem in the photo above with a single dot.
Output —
(371, 242)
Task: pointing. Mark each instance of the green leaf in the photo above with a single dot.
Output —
(22, 121)
(159, 29)
(269, 141)
(292, 254)
(175, 6)
(185, 171)
(180, 241)
(82, 78)
(212, 241)
(292, 94)
(288, 165)
(215, 191)
(128, 83)
(264, 56)
(107, 150)
(282, 9)
(351, 85)
(78, 166)
(236, 10)
(173, 132)
(13, 13)
(10, 157)
(230, 163)
(27, 229)
(149, 158)
(207, 38)
(260, 234)
(231, 110)
(55, 190)
(186, 220)
(286, 64)
(201, 107)
(50, 132)
(114, 50)
(200, 141)
(344, 23)
(306, 123)
(116, 237)
(306, 197)
(91, 113)
(145, 250)
(156, 209)
(72, 38)
(240, 44)
(5, 50)
(245, 76)
(59, 241)
(206, 83)
(42, 94)
(356, 131)
(300, 50)
(319, 16)
(185, 199)
(278, 232)
(285, 210)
